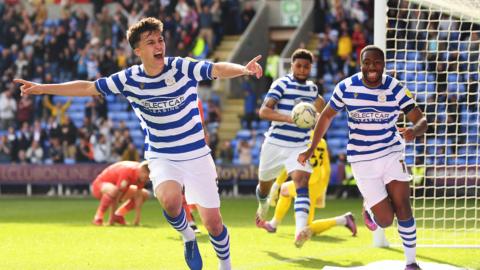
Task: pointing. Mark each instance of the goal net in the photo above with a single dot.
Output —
(432, 46)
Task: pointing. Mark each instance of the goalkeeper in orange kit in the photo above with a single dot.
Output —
(318, 183)
(122, 181)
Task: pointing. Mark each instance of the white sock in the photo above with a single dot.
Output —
(302, 209)
(408, 232)
(341, 220)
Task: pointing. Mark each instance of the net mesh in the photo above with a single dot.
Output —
(433, 48)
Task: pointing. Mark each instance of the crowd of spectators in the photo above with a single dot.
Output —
(79, 43)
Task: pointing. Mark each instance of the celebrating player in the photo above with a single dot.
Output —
(317, 187)
(121, 182)
(376, 148)
(163, 94)
(284, 141)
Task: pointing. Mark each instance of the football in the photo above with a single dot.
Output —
(304, 115)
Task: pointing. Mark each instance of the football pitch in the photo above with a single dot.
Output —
(46, 233)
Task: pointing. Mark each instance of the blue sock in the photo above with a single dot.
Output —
(408, 232)
(180, 224)
(221, 244)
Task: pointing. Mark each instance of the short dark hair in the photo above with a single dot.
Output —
(302, 54)
(372, 48)
(135, 31)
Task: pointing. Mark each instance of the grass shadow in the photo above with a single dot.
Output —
(307, 262)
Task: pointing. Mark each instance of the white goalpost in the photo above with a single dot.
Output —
(433, 47)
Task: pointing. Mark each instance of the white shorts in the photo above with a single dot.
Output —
(274, 158)
(372, 176)
(198, 176)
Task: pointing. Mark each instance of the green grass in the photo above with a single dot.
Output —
(44, 233)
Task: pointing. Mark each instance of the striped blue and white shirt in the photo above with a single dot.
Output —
(166, 105)
(287, 91)
(372, 116)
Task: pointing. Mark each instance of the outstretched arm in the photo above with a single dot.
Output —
(73, 88)
(225, 70)
(320, 129)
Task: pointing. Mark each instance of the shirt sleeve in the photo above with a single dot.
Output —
(276, 90)
(405, 100)
(336, 101)
(194, 69)
(112, 85)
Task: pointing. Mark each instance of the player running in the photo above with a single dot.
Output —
(284, 140)
(375, 149)
(163, 94)
(122, 181)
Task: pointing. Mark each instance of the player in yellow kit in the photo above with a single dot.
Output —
(317, 187)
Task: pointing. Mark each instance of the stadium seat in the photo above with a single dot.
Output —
(400, 55)
(411, 56)
(118, 116)
(390, 66)
(76, 107)
(400, 65)
(453, 87)
(117, 107)
(420, 76)
(77, 116)
(244, 134)
(452, 78)
(411, 66)
(264, 125)
(132, 124)
(61, 99)
(411, 76)
(234, 143)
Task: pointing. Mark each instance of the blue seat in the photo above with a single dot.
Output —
(452, 78)
(132, 124)
(118, 116)
(390, 65)
(411, 55)
(244, 134)
(110, 99)
(472, 160)
(411, 66)
(421, 76)
(264, 124)
(411, 76)
(61, 99)
(409, 160)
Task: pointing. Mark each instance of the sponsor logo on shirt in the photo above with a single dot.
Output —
(163, 105)
(369, 115)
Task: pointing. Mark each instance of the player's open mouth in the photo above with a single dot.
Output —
(158, 55)
(372, 76)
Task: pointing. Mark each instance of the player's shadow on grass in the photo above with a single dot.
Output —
(315, 238)
(201, 238)
(308, 262)
(420, 257)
